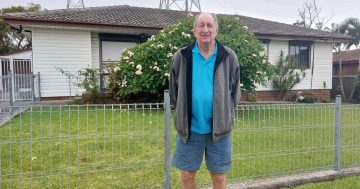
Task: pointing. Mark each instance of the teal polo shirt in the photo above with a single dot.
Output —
(202, 91)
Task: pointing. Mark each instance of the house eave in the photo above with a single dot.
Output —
(98, 27)
(302, 38)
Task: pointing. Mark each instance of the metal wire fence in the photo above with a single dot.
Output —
(272, 140)
(127, 145)
(115, 146)
(350, 134)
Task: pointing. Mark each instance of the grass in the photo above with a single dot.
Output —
(345, 183)
(123, 146)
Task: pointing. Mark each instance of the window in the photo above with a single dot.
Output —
(111, 47)
(300, 50)
(265, 44)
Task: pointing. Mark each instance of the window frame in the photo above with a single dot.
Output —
(266, 42)
(299, 45)
(112, 37)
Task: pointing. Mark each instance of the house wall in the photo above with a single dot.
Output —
(275, 47)
(67, 49)
(349, 68)
(73, 50)
(322, 77)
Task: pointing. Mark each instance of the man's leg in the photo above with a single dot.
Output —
(188, 179)
(218, 160)
(219, 180)
(188, 157)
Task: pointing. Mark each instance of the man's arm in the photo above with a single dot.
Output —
(235, 92)
(173, 83)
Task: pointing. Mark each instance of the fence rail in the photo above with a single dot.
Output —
(127, 145)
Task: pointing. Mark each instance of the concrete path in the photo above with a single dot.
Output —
(7, 112)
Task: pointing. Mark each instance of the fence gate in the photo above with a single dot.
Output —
(16, 80)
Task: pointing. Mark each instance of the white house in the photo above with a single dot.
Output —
(76, 38)
(20, 80)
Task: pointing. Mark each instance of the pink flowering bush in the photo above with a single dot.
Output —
(144, 69)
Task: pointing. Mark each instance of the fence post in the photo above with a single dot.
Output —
(70, 86)
(39, 85)
(167, 138)
(11, 88)
(338, 133)
(32, 86)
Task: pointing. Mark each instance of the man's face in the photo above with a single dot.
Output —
(205, 30)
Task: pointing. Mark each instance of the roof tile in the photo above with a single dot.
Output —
(124, 15)
(347, 56)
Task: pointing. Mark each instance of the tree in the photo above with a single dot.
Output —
(310, 16)
(287, 74)
(144, 69)
(11, 39)
(353, 29)
(340, 48)
(350, 26)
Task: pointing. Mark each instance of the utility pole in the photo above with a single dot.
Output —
(75, 4)
(183, 5)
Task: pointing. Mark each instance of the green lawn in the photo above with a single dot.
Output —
(123, 146)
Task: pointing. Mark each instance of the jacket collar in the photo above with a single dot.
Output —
(187, 53)
(222, 53)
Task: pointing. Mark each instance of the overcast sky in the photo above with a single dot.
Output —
(285, 11)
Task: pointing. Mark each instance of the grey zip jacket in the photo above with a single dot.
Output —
(226, 91)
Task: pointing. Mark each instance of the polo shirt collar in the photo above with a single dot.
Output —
(196, 48)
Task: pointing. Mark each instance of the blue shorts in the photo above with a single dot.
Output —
(188, 156)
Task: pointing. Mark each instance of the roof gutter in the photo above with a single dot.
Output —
(35, 21)
(306, 38)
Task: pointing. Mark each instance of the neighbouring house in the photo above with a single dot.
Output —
(16, 76)
(350, 69)
(76, 38)
(18, 61)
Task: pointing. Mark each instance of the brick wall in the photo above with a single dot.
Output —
(320, 94)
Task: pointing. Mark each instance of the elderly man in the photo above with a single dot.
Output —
(204, 88)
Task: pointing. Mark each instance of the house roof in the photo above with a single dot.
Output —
(139, 17)
(348, 57)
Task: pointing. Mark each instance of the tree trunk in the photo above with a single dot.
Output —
(353, 89)
(341, 79)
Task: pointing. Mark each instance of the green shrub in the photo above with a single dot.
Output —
(86, 78)
(287, 74)
(144, 69)
(308, 99)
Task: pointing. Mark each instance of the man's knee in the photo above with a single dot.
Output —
(218, 177)
(186, 176)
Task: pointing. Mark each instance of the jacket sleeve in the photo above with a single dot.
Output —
(235, 92)
(173, 86)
